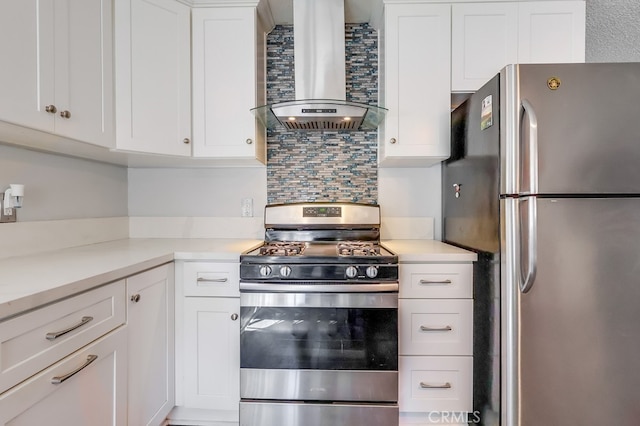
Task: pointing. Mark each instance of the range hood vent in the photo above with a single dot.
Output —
(320, 74)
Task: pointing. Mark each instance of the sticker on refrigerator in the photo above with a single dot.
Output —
(486, 120)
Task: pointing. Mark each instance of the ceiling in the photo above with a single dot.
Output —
(355, 11)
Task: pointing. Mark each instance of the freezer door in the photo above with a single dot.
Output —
(587, 132)
(577, 338)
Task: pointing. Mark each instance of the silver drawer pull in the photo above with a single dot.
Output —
(435, 282)
(55, 334)
(212, 280)
(424, 385)
(445, 328)
(59, 379)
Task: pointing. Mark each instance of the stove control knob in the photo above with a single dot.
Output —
(372, 271)
(285, 271)
(351, 271)
(265, 271)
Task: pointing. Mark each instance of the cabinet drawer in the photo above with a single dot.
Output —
(85, 388)
(211, 279)
(37, 339)
(435, 383)
(436, 280)
(435, 327)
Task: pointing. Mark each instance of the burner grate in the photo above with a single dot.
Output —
(358, 248)
(282, 249)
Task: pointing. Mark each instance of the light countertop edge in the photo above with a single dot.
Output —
(31, 281)
(411, 251)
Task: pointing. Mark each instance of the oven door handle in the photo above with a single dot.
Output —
(320, 288)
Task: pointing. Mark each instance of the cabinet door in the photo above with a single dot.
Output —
(225, 83)
(27, 71)
(211, 353)
(56, 76)
(484, 38)
(151, 345)
(416, 84)
(551, 32)
(153, 83)
(94, 395)
(83, 70)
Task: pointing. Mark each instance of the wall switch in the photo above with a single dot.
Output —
(246, 209)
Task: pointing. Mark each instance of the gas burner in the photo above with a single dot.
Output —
(282, 249)
(358, 248)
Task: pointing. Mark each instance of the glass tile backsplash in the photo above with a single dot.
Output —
(304, 166)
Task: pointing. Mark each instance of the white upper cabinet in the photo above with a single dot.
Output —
(488, 36)
(228, 63)
(415, 84)
(153, 81)
(484, 38)
(551, 32)
(57, 60)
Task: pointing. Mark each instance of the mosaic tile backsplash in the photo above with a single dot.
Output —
(305, 166)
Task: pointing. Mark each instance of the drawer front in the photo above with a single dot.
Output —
(436, 280)
(211, 279)
(434, 383)
(37, 339)
(435, 327)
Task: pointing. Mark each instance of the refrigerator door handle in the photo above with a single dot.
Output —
(528, 275)
(530, 113)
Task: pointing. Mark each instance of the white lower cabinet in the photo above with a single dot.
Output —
(150, 324)
(212, 342)
(435, 343)
(207, 343)
(88, 387)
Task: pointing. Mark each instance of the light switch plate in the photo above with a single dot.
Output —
(246, 209)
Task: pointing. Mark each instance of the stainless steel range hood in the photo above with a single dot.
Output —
(320, 87)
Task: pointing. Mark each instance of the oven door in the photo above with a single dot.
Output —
(338, 347)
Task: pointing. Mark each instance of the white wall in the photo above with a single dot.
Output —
(59, 187)
(196, 192)
(613, 31)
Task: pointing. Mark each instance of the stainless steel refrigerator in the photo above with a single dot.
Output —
(544, 184)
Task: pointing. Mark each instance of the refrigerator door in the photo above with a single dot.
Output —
(577, 339)
(587, 132)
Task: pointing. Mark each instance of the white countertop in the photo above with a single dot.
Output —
(27, 282)
(428, 251)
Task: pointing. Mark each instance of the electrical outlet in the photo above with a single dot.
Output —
(7, 218)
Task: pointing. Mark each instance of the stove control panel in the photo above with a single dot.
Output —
(318, 272)
(322, 211)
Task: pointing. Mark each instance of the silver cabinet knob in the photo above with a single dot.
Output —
(234, 317)
(392, 140)
(186, 140)
(51, 109)
(65, 114)
(135, 298)
(249, 141)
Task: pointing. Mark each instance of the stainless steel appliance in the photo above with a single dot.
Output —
(319, 320)
(544, 183)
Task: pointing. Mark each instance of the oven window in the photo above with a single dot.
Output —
(319, 338)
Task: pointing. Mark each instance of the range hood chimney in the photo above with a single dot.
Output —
(320, 74)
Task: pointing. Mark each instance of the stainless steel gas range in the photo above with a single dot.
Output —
(319, 320)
